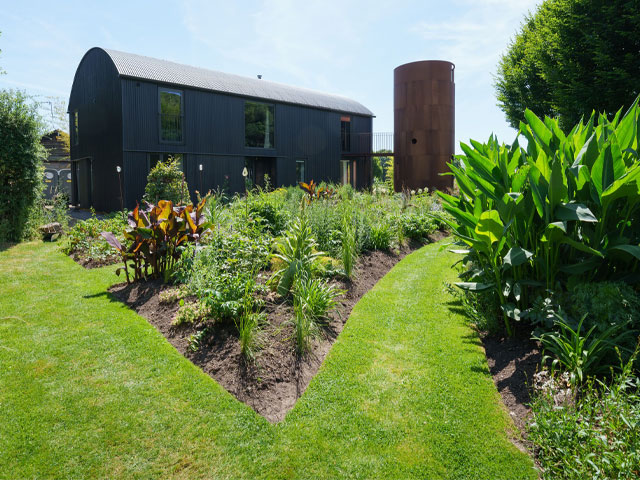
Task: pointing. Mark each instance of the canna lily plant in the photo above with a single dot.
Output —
(156, 236)
(561, 210)
(315, 192)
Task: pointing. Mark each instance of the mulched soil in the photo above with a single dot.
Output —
(278, 377)
(513, 361)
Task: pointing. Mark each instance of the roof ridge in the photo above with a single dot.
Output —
(167, 71)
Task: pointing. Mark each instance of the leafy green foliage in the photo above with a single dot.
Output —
(597, 436)
(192, 313)
(582, 354)
(416, 226)
(564, 210)
(197, 339)
(571, 57)
(166, 182)
(21, 168)
(605, 304)
(381, 236)
(221, 270)
(84, 239)
(297, 249)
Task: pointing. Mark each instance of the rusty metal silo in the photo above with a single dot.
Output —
(424, 124)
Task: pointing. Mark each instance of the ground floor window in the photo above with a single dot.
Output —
(154, 158)
(300, 171)
(348, 172)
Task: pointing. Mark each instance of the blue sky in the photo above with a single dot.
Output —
(337, 46)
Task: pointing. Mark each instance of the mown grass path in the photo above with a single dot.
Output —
(89, 389)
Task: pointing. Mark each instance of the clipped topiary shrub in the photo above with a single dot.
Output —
(21, 168)
(166, 182)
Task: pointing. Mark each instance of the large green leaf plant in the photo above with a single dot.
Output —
(562, 210)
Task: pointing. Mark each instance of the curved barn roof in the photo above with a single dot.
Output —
(147, 68)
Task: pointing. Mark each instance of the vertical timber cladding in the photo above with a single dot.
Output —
(424, 124)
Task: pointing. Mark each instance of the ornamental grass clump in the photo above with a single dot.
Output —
(563, 210)
(313, 299)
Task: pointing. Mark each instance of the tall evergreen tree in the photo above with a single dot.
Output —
(571, 57)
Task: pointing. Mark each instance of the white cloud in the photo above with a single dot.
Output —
(475, 41)
(282, 37)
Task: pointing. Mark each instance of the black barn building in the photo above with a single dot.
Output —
(128, 111)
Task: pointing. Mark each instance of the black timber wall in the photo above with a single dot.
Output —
(214, 137)
(96, 95)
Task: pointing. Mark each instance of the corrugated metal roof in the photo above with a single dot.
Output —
(147, 68)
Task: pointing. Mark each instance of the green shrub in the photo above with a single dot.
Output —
(21, 169)
(84, 239)
(565, 209)
(266, 209)
(56, 210)
(604, 304)
(220, 271)
(166, 182)
(381, 236)
(598, 436)
(416, 226)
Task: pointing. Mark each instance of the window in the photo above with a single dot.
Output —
(345, 133)
(171, 115)
(259, 123)
(154, 158)
(74, 128)
(346, 171)
(300, 171)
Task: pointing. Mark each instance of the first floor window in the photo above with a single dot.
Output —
(171, 113)
(259, 125)
(345, 133)
(300, 171)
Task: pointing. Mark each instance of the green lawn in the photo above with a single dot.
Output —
(89, 389)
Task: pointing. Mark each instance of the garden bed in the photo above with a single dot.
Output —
(273, 382)
(513, 361)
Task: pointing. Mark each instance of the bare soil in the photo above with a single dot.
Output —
(272, 383)
(513, 362)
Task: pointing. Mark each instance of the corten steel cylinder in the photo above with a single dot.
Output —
(424, 124)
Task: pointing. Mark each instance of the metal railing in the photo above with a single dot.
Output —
(371, 142)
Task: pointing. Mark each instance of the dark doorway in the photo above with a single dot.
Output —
(258, 167)
(84, 185)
